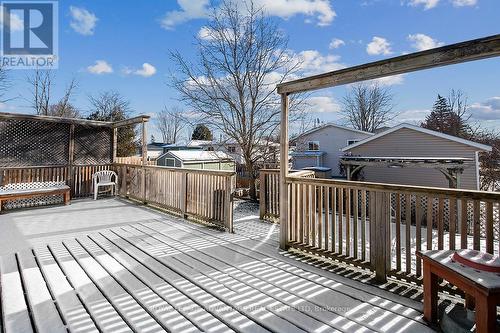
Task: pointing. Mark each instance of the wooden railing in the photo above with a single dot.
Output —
(381, 226)
(205, 195)
(269, 192)
(78, 177)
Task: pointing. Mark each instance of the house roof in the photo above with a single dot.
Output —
(477, 145)
(329, 125)
(190, 143)
(199, 155)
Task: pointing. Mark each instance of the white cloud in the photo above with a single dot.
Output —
(190, 10)
(428, 4)
(100, 67)
(82, 21)
(321, 10)
(322, 104)
(336, 43)
(411, 116)
(313, 62)
(487, 110)
(378, 46)
(147, 70)
(422, 42)
(16, 22)
(390, 80)
(464, 3)
(205, 33)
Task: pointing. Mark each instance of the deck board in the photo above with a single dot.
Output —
(161, 273)
(72, 310)
(15, 314)
(45, 314)
(310, 287)
(102, 311)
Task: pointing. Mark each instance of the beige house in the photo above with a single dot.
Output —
(322, 146)
(409, 141)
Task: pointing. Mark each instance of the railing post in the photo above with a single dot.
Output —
(144, 185)
(184, 201)
(379, 241)
(228, 203)
(262, 194)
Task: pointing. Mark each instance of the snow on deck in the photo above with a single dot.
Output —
(88, 268)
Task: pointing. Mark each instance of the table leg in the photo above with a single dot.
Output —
(486, 314)
(430, 294)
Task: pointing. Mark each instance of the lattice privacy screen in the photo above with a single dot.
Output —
(93, 145)
(29, 143)
(42, 143)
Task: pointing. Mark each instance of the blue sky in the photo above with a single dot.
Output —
(124, 45)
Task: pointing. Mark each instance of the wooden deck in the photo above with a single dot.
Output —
(151, 272)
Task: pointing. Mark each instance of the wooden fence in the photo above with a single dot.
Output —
(206, 195)
(135, 160)
(78, 177)
(381, 226)
(269, 192)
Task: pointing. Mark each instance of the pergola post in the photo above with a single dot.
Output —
(284, 173)
(71, 157)
(115, 143)
(144, 144)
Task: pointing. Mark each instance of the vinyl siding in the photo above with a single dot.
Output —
(410, 143)
(331, 141)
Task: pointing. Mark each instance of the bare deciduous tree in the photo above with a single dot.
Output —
(170, 123)
(242, 56)
(41, 88)
(42, 84)
(111, 106)
(368, 107)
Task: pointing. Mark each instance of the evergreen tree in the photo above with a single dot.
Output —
(202, 132)
(441, 118)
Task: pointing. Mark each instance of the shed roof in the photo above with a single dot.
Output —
(199, 155)
(477, 145)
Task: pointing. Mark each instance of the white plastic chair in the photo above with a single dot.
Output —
(104, 178)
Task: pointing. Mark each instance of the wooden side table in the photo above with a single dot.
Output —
(484, 287)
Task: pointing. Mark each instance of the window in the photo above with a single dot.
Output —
(231, 149)
(313, 145)
(351, 142)
(169, 162)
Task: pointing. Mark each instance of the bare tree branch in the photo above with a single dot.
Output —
(240, 60)
(170, 123)
(368, 107)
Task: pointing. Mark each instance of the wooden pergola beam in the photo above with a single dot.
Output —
(75, 121)
(442, 56)
(131, 121)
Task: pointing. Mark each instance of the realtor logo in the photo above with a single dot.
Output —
(29, 34)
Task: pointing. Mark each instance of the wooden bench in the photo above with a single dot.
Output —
(15, 194)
